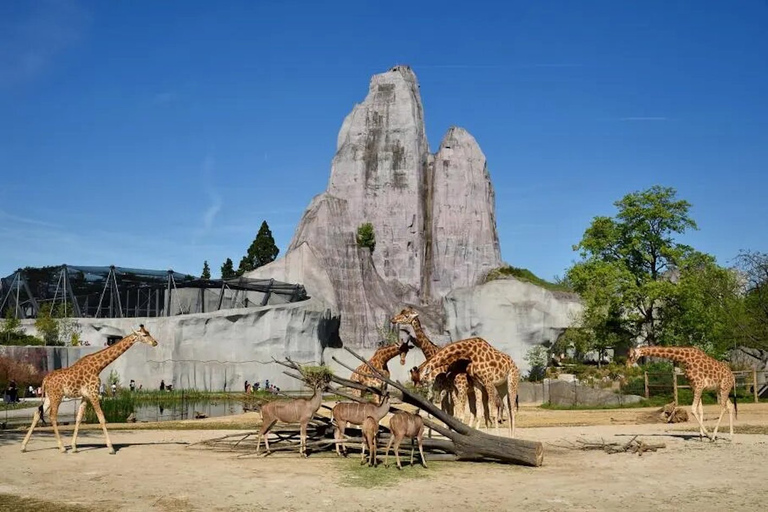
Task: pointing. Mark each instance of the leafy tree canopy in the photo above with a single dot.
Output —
(639, 283)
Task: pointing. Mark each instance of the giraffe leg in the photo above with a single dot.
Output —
(492, 397)
(100, 414)
(45, 407)
(80, 413)
(54, 421)
(725, 404)
(696, 406)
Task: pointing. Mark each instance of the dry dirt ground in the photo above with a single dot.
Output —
(157, 470)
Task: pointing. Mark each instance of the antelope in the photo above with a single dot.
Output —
(355, 413)
(370, 428)
(404, 424)
(297, 410)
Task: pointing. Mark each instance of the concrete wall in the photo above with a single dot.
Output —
(206, 351)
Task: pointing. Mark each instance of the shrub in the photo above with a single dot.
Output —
(366, 237)
(523, 274)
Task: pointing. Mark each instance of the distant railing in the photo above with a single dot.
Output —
(747, 379)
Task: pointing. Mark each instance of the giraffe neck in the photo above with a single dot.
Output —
(384, 354)
(678, 354)
(103, 358)
(422, 341)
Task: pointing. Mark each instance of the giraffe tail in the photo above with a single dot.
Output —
(41, 408)
(735, 407)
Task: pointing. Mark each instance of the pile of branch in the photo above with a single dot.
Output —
(461, 443)
(671, 413)
(633, 446)
(465, 442)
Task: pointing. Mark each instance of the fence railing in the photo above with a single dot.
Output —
(745, 379)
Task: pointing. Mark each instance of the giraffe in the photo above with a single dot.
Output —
(379, 360)
(81, 380)
(702, 372)
(456, 384)
(491, 367)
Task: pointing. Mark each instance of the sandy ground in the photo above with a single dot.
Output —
(157, 470)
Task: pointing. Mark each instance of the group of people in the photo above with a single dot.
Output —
(11, 393)
(252, 388)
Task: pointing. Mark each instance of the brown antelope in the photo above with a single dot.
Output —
(404, 424)
(355, 413)
(297, 410)
(370, 430)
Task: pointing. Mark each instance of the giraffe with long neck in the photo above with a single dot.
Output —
(703, 372)
(379, 360)
(491, 367)
(457, 384)
(81, 380)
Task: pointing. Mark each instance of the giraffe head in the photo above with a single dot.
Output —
(633, 356)
(143, 336)
(406, 316)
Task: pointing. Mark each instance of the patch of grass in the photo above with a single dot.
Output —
(18, 405)
(523, 274)
(737, 429)
(656, 401)
(13, 503)
(354, 474)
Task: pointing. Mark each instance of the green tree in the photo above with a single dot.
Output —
(366, 237)
(750, 321)
(628, 267)
(206, 271)
(228, 270)
(10, 329)
(47, 324)
(262, 250)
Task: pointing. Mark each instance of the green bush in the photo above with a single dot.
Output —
(523, 274)
(366, 237)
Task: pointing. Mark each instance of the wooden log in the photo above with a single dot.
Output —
(467, 443)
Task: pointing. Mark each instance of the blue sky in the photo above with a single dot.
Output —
(161, 134)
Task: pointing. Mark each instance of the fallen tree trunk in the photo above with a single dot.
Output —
(467, 443)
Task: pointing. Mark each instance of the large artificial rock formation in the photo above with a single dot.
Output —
(433, 216)
(511, 315)
(465, 245)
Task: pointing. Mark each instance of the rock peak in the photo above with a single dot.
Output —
(433, 215)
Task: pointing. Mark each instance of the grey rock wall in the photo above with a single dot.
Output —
(464, 238)
(379, 170)
(433, 216)
(511, 315)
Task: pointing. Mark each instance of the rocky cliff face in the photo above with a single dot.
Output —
(433, 215)
(379, 169)
(464, 238)
(512, 315)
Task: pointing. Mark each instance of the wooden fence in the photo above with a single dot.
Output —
(745, 378)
